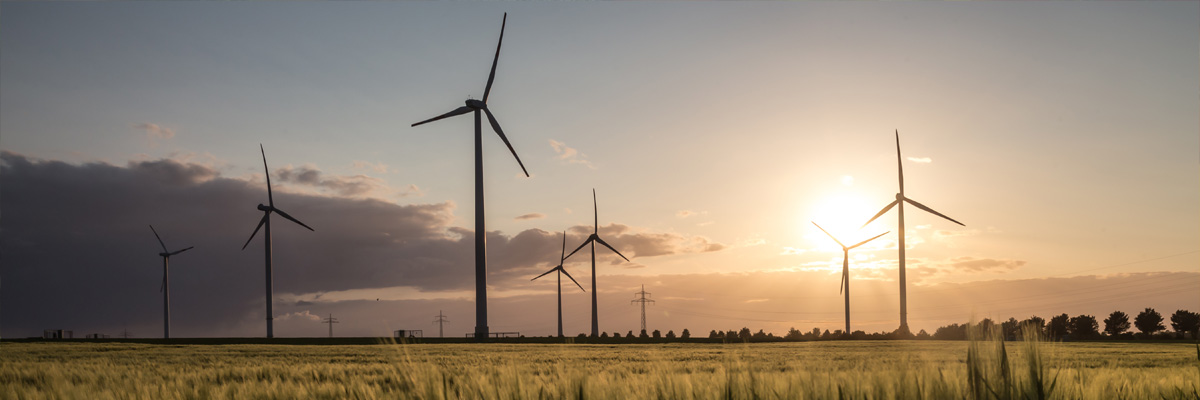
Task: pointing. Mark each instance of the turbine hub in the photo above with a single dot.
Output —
(899, 197)
(476, 104)
(263, 208)
(164, 254)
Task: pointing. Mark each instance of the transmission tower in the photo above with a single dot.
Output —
(642, 299)
(125, 333)
(440, 320)
(331, 320)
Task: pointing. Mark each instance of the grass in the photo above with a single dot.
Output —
(979, 369)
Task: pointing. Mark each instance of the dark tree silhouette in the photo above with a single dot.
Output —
(744, 334)
(1184, 321)
(670, 334)
(616, 334)
(643, 335)
(714, 334)
(1058, 326)
(1084, 327)
(793, 334)
(655, 334)
(685, 334)
(1009, 329)
(922, 334)
(603, 334)
(1034, 323)
(1149, 321)
(1116, 323)
(630, 334)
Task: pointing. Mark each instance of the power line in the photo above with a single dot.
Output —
(441, 319)
(331, 320)
(643, 300)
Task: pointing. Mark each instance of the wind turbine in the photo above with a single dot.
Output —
(845, 285)
(900, 200)
(266, 220)
(561, 271)
(473, 105)
(593, 239)
(166, 283)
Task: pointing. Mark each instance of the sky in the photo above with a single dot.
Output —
(1063, 135)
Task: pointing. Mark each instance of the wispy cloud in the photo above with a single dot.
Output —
(529, 216)
(973, 264)
(155, 131)
(370, 166)
(299, 315)
(569, 155)
(342, 185)
(922, 160)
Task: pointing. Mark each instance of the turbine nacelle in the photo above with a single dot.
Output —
(261, 207)
(899, 197)
(476, 104)
(164, 255)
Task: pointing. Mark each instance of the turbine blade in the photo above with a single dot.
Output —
(492, 75)
(496, 127)
(270, 198)
(564, 271)
(839, 242)
(868, 240)
(843, 284)
(595, 214)
(899, 166)
(563, 256)
(544, 274)
(261, 222)
(923, 207)
(180, 251)
(457, 111)
(881, 212)
(601, 241)
(160, 242)
(285, 215)
(585, 242)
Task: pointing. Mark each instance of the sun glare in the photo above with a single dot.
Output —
(842, 215)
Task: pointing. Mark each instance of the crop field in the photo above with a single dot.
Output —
(837, 369)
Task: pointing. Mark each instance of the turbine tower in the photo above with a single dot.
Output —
(900, 200)
(845, 285)
(473, 105)
(166, 283)
(561, 257)
(593, 239)
(266, 220)
(642, 299)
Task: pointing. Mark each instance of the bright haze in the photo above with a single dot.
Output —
(1063, 135)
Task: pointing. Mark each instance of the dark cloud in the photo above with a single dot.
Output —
(78, 253)
(345, 186)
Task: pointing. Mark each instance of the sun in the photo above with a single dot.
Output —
(842, 214)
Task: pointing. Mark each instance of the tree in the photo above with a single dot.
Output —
(1035, 324)
(922, 334)
(793, 334)
(1084, 327)
(656, 334)
(1149, 321)
(616, 334)
(630, 335)
(670, 334)
(1009, 329)
(603, 334)
(714, 334)
(1184, 321)
(1057, 328)
(643, 335)
(685, 334)
(744, 334)
(1116, 323)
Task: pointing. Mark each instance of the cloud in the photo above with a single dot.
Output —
(155, 131)
(570, 155)
(303, 315)
(945, 234)
(308, 176)
(529, 216)
(100, 212)
(685, 213)
(920, 160)
(983, 264)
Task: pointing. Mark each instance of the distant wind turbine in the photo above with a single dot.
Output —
(166, 283)
(561, 257)
(593, 239)
(900, 200)
(266, 220)
(473, 105)
(845, 285)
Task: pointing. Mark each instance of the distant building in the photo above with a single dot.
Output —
(409, 333)
(57, 334)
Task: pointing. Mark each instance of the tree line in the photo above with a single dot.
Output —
(1149, 324)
